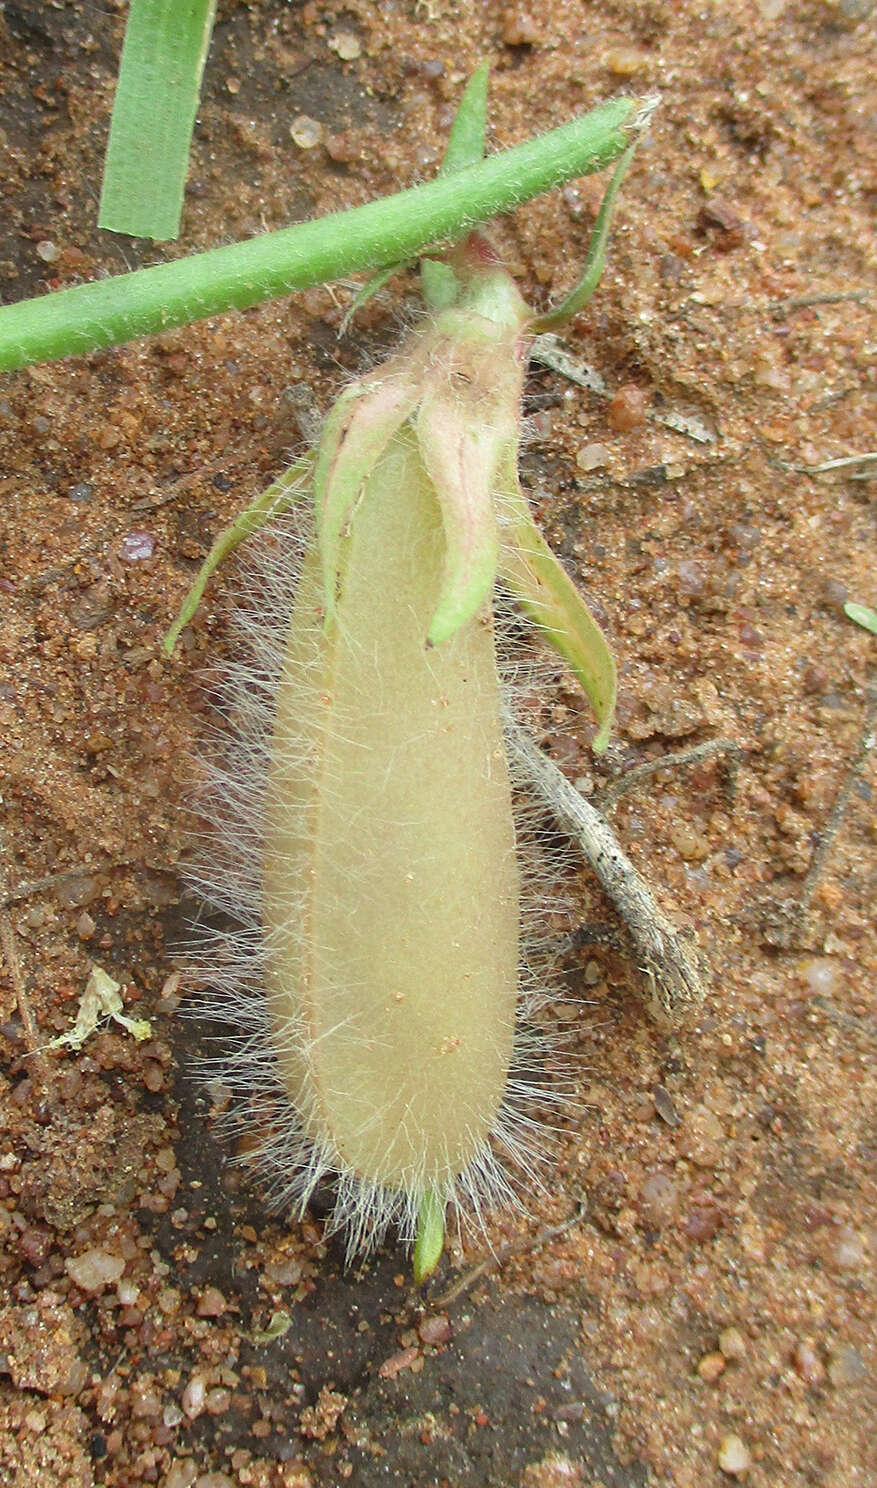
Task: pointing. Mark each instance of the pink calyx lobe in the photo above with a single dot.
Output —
(458, 383)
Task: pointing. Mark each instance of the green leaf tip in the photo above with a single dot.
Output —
(862, 615)
(275, 499)
(469, 130)
(430, 1239)
(533, 576)
(595, 259)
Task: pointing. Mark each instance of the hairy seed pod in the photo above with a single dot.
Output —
(391, 969)
(375, 976)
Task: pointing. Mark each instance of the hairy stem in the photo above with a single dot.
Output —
(90, 316)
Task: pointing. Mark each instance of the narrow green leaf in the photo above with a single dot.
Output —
(546, 594)
(279, 497)
(468, 132)
(156, 101)
(430, 1239)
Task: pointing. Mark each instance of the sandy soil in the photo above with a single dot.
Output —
(711, 1316)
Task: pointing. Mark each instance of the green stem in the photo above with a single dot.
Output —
(90, 316)
(465, 147)
(430, 1240)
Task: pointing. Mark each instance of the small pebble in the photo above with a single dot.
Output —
(346, 46)
(808, 1364)
(627, 409)
(145, 1402)
(211, 1303)
(711, 1367)
(137, 546)
(435, 1329)
(181, 1473)
(193, 1398)
(689, 844)
(734, 1457)
(693, 577)
(720, 221)
(703, 1223)
(153, 1076)
(519, 28)
(35, 1245)
(217, 1401)
(306, 132)
(286, 1272)
(846, 1367)
(659, 1199)
(732, 1344)
(397, 1362)
(821, 973)
(704, 1138)
(846, 1251)
(95, 1269)
(626, 61)
(592, 457)
(49, 252)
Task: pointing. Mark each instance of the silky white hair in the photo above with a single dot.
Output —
(228, 957)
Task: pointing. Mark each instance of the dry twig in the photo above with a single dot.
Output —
(505, 1253)
(41, 1064)
(667, 957)
(786, 921)
(609, 797)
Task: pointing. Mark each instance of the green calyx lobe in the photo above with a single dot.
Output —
(456, 388)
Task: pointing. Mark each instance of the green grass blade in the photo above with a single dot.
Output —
(157, 93)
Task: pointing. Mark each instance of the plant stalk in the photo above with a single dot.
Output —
(106, 313)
